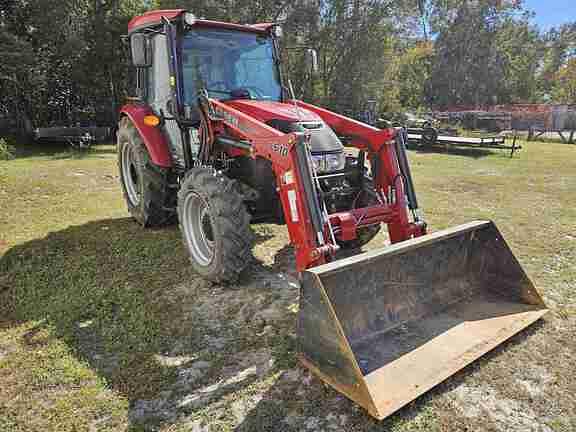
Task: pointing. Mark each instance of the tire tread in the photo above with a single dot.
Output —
(231, 219)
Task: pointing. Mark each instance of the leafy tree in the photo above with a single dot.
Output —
(468, 67)
(564, 84)
(241, 11)
(354, 39)
(65, 57)
(17, 61)
(559, 47)
(426, 10)
(410, 73)
(63, 60)
(519, 47)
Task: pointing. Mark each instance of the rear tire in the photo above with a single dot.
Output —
(144, 184)
(429, 136)
(366, 234)
(215, 225)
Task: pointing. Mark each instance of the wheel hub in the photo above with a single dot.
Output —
(198, 229)
(130, 175)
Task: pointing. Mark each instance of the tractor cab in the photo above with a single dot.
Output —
(229, 64)
(180, 59)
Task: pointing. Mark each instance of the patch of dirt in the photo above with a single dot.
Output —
(484, 402)
(222, 346)
(184, 397)
(535, 379)
(5, 351)
(172, 361)
(487, 172)
(224, 313)
(92, 348)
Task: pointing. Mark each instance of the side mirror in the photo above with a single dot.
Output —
(312, 60)
(140, 47)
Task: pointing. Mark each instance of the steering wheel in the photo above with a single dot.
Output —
(217, 86)
(255, 93)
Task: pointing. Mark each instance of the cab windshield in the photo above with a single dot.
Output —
(229, 64)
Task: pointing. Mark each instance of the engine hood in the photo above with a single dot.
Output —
(268, 110)
(286, 117)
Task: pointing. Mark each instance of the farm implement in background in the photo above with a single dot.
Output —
(431, 138)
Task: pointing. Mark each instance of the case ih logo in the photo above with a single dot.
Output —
(228, 118)
(234, 121)
(280, 148)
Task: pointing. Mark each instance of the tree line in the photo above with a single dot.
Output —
(64, 60)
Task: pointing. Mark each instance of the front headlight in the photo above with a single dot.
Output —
(189, 18)
(335, 162)
(318, 162)
(326, 163)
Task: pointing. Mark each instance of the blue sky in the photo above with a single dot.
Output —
(551, 13)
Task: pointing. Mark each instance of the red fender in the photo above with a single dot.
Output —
(153, 138)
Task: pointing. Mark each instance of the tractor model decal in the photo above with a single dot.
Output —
(280, 148)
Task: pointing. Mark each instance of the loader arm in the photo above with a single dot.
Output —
(288, 154)
(310, 228)
(389, 177)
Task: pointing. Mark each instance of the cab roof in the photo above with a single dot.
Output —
(154, 18)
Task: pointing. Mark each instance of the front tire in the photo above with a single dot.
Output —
(215, 225)
(144, 184)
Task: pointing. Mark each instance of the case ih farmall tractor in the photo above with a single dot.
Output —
(216, 137)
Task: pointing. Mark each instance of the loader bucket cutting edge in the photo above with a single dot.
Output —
(385, 326)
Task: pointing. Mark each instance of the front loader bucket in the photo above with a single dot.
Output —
(385, 326)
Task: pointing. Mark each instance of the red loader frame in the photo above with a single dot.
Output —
(312, 231)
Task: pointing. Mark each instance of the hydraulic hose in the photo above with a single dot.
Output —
(400, 143)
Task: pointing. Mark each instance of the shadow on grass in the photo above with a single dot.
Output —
(285, 260)
(120, 296)
(59, 151)
(475, 153)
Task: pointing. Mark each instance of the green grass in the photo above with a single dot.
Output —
(89, 300)
(6, 150)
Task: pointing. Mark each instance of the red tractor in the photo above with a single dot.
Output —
(216, 138)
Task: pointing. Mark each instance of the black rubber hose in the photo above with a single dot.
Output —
(400, 143)
(305, 174)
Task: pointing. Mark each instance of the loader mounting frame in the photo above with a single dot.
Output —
(308, 226)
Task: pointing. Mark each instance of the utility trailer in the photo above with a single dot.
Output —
(429, 137)
(77, 137)
(534, 133)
